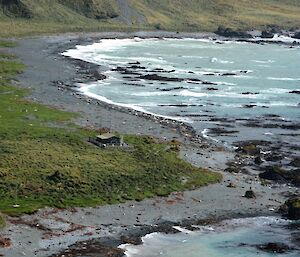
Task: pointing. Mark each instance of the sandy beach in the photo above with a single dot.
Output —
(54, 232)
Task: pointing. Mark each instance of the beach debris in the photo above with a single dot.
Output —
(5, 242)
(231, 185)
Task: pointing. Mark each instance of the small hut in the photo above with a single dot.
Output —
(109, 139)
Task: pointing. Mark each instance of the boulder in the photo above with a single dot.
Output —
(258, 160)
(232, 169)
(281, 175)
(295, 92)
(273, 173)
(228, 32)
(250, 194)
(293, 208)
(296, 35)
(249, 149)
(267, 34)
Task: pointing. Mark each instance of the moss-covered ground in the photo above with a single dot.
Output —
(45, 160)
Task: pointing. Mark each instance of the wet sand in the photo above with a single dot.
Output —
(50, 230)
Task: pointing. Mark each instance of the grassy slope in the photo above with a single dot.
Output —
(208, 15)
(46, 160)
(50, 16)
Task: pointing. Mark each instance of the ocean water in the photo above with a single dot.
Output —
(233, 238)
(225, 85)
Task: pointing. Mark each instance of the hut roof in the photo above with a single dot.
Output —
(107, 136)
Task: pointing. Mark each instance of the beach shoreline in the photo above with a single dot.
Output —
(50, 74)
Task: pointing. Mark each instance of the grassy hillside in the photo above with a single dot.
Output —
(208, 15)
(25, 17)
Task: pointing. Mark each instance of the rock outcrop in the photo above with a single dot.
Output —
(228, 32)
(291, 208)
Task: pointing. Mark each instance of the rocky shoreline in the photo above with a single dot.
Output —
(99, 231)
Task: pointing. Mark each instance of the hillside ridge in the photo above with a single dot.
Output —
(182, 15)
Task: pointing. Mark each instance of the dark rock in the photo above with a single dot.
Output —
(212, 89)
(295, 162)
(274, 247)
(249, 149)
(228, 74)
(221, 131)
(273, 157)
(133, 240)
(170, 89)
(249, 93)
(258, 160)
(160, 78)
(232, 169)
(134, 63)
(291, 208)
(273, 173)
(209, 83)
(136, 67)
(98, 76)
(296, 35)
(120, 69)
(275, 29)
(228, 32)
(250, 194)
(249, 106)
(295, 92)
(267, 34)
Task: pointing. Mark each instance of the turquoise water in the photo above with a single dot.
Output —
(234, 238)
(242, 74)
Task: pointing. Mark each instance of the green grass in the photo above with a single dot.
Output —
(56, 16)
(46, 160)
(7, 44)
(2, 222)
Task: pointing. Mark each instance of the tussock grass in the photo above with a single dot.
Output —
(46, 160)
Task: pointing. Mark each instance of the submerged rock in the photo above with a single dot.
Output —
(160, 78)
(274, 247)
